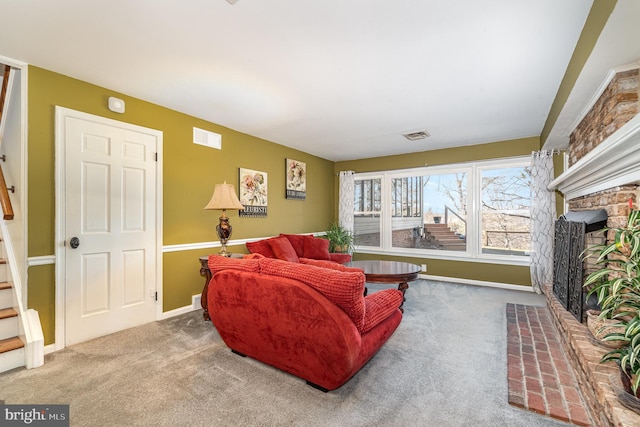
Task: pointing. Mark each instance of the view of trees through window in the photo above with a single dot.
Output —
(431, 211)
(506, 207)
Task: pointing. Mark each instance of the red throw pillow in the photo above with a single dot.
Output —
(344, 288)
(297, 241)
(283, 250)
(218, 263)
(261, 247)
(340, 258)
(316, 249)
(380, 305)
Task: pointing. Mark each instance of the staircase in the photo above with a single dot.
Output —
(444, 237)
(11, 345)
(21, 338)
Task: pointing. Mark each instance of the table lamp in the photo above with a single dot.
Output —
(224, 197)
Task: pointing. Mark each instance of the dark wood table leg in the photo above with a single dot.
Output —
(402, 287)
(206, 273)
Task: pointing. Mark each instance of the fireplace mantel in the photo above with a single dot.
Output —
(615, 162)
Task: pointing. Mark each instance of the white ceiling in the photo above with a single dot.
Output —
(617, 46)
(338, 79)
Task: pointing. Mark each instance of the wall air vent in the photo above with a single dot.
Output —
(206, 138)
(414, 136)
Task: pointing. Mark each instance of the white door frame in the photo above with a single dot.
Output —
(60, 196)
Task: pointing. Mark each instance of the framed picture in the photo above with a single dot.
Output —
(296, 179)
(253, 193)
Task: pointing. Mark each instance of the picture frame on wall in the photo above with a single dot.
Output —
(253, 193)
(296, 179)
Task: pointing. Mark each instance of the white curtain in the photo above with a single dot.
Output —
(543, 215)
(345, 205)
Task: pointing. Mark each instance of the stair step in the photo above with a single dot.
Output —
(449, 235)
(6, 298)
(6, 313)
(10, 344)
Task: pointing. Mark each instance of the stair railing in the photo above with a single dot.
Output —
(5, 200)
(447, 209)
(30, 328)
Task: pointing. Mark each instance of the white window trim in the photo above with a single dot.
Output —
(474, 176)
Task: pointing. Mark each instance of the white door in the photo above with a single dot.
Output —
(110, 228)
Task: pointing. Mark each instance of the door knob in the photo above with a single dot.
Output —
(74, 242)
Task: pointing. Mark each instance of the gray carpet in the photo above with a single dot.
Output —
(444, 366)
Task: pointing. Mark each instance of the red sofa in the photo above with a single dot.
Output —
(292, 247)
(310, 321)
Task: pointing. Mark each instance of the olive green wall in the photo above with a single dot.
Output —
(190, 172)
(518, 275)
(596, 20)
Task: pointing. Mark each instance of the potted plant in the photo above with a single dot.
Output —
(627, 357)
(617, 283)
(341, 240)
(617, 286)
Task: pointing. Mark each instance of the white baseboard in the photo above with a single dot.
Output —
(509, 286)
(50, 348)
(183, 310)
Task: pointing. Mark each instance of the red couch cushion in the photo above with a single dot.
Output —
(340, 258)
(218, 263)
(261, 247)
(379, 305)
(316, 249)
(328, 264)
(343, 288)
(297, 241)
(282, 248)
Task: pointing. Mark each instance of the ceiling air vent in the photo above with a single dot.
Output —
(414, 136)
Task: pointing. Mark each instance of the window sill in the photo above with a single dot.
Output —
(449, 256)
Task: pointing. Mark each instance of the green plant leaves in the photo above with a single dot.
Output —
(617, 286)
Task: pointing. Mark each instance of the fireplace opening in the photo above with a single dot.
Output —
(575, 231)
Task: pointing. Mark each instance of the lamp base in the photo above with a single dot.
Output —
(224, 230)
(224, 253)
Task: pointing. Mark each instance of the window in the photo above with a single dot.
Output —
(479, 209)
(433, 212)
(367, 207)
(506, 207)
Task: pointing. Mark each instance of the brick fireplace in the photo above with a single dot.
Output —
(603, 173)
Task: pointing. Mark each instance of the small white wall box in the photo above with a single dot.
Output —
(207, 138)
(116, 105)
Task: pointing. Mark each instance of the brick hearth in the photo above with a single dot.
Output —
(594, 378)
(540, 377)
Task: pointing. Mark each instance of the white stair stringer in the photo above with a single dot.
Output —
(27, 322)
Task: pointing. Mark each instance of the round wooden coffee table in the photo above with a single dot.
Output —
(388, 272)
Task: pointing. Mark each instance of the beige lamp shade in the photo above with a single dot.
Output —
(224, 197)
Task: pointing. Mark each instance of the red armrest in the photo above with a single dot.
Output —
(380, 305)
